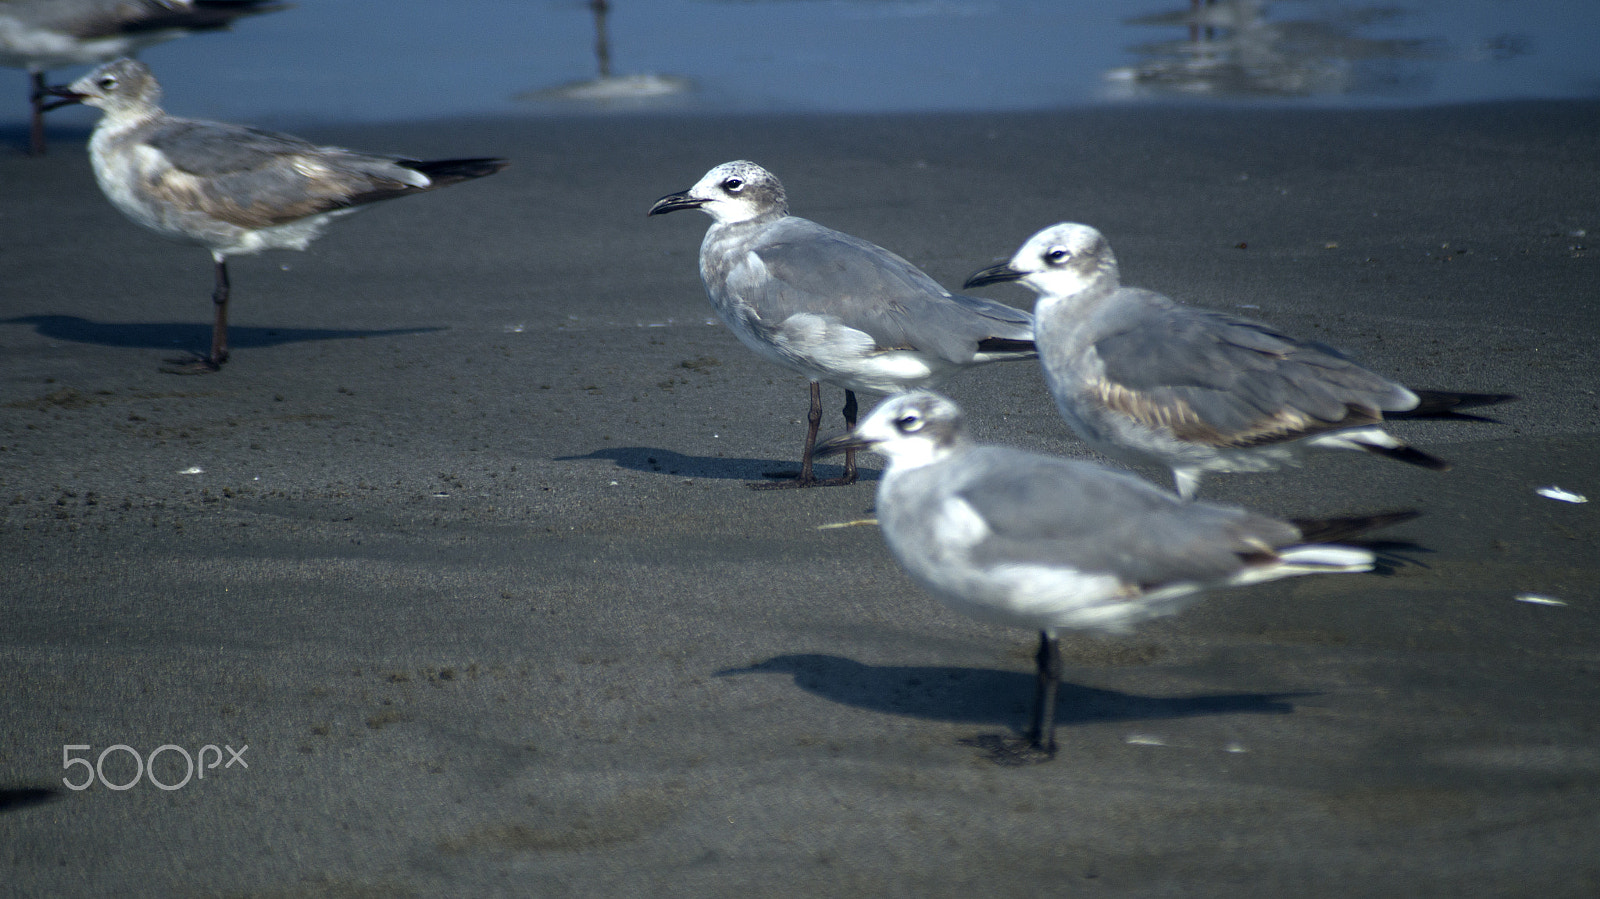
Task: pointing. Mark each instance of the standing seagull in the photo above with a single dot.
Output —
(39, 35)
(1147, 380)
(833, 307)
(231, 189)
(1046, 543)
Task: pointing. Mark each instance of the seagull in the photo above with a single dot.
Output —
(231, 189)
(39, 35)
(1048, 543)
(834, 307)
(1147, 380)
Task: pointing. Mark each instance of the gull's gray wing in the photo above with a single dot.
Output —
(255, 179)
(91, 19)
(84, 19)
(1048, 511)
(201, 15)
(807, 268)
(1227, 381)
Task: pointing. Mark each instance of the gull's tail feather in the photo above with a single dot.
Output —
(450, 171)
(1379, 442)
(1291, 561)
(1320, 558)
(438, 172)
(996, 349)
(1346, 528)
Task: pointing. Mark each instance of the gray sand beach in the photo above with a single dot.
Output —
(458, 543)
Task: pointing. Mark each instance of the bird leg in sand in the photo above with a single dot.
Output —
(219, 328)
(1042, 736)
(850, 410)
(197, 365)
(813, 423)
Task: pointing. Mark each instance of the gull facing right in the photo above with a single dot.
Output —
(1047, 543)
(1148, 380)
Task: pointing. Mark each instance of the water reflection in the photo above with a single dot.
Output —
(1233, 48)
(609, 88)
(325, 62)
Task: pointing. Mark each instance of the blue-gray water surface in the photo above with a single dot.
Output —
(398, 60)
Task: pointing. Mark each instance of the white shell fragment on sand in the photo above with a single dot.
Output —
(1232, 746)
(857, 523)
(1566, 496)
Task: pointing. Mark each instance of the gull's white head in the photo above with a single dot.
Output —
(121, 87)
(909, 429)
(1062, 260)
(732, 192)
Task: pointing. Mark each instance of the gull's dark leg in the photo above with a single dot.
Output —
(1043, 734)
(36, 129)
(1040, 743)
(850, 410)
(219, 328)
(200, 365)
(813, 423)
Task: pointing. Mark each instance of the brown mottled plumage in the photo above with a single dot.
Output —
(1148, 380)
(232, 189)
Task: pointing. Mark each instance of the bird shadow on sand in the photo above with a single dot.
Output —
(185, 335)
(990, 697)
(16, 798)
(652, 460)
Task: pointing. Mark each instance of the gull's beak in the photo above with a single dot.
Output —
(994, 274)
(675, 202)
(68, 97)
(840, 443)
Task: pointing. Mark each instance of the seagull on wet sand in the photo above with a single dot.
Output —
(39, 35)
(231, 189)
(1047, 543)
(1147, 380)
(833, 307)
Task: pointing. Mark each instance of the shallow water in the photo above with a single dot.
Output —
(387, 60)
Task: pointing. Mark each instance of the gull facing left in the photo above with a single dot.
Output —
(1143, 378)
(231, 189)
(1047, 543)
(831, 306)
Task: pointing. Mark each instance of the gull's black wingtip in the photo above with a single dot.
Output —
(449, 171)
(1345, 528)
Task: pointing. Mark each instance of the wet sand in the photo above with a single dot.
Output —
(458, 544)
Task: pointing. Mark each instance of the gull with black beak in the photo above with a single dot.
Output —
(834, 307)
(231, 189)
(39, 35)
(1146, 380)
(1051, 544)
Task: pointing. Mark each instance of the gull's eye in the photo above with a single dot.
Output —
(733, 185)
(910, 423)
(1057, 255)
(107, 82)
